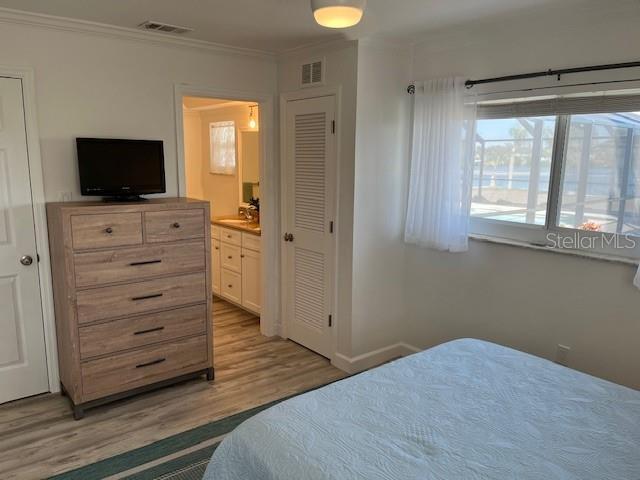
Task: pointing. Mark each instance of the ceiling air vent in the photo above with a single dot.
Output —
(312, 74)
(164, 27)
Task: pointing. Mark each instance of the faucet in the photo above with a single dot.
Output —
(248, 213)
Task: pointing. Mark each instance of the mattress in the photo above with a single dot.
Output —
(466, 409)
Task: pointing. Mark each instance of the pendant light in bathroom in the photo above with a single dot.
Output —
(338, 13)
(252, 121)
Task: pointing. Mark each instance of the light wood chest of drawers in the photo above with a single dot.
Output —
(132, 287)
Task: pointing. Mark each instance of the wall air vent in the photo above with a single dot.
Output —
(164, 27)
(312, 74)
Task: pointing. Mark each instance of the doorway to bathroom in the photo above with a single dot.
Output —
(222, 150)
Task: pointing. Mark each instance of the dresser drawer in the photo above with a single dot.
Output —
(129, 370)
(230, 236)
(230, 257)
(134, 332)
(252, 242)
(122, 300)
(97, 268)
(171, 225)
(106, 230)
(231, 286)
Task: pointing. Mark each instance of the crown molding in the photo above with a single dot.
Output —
(20, 17)
(316, 48)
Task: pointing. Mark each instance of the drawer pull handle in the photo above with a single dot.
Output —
(228, 236)
(217, 248)
(108, 230)
(148, 262)
(230, 286)
(176, 225)
(229, 257)
(146, 297)
(142, 332)
(148, 364)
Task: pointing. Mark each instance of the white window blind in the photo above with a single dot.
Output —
(222, 136)
(560, 106)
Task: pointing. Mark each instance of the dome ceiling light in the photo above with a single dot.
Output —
(338, 13)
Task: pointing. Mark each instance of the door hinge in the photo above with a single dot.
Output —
(331, 226)
(333, 126)
(330, 320)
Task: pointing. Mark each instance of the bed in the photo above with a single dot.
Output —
(466, 409)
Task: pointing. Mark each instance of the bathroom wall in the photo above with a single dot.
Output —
(193, 153)
(222, 191)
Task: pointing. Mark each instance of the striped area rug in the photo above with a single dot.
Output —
(180, 457)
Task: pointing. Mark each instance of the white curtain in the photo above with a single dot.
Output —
(441, 166)
(222, 136)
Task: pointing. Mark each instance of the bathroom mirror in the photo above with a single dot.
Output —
(249, 165)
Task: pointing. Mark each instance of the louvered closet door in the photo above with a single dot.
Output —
(310, 177)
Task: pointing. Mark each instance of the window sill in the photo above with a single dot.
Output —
(561, 251)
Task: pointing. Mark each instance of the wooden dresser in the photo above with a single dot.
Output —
(132, 296)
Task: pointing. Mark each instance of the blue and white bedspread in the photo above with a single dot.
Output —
(466, 409)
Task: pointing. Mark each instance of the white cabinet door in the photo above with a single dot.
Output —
(230, 257)
(231, 287)
(23, 368)
(251, 280)
(309, 205)
(215, 266)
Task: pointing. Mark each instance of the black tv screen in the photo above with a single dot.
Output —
(115, 167)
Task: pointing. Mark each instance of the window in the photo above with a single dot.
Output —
(562, 172)
(512, 167)
(601, 174)
(222, 137)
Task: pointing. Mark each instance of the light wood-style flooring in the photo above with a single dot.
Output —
(39, 438)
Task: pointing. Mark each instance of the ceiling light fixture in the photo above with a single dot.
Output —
(338, 13)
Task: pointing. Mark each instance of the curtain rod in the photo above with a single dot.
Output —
(547, 73)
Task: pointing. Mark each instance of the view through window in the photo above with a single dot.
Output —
(598, 188)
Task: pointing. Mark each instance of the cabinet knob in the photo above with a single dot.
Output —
(230, 286)
(229, 257)
(176, 225)
(242, 256)
(108, 230)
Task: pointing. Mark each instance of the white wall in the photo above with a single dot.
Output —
(381, 169)
(192, 130)
(104, 86)
(528, 299)
(341, 71)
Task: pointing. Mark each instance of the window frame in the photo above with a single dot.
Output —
(551, 235)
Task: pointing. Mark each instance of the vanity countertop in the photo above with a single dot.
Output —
(238, 223)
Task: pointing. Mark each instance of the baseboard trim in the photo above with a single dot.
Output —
(373, 358)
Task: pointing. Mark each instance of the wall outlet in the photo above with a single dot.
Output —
(562, 354)
(66, 196)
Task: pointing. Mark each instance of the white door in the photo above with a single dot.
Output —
(309, 203)
(251, 280)
(23, 368)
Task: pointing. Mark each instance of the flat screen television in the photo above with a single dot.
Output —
(120, 168)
